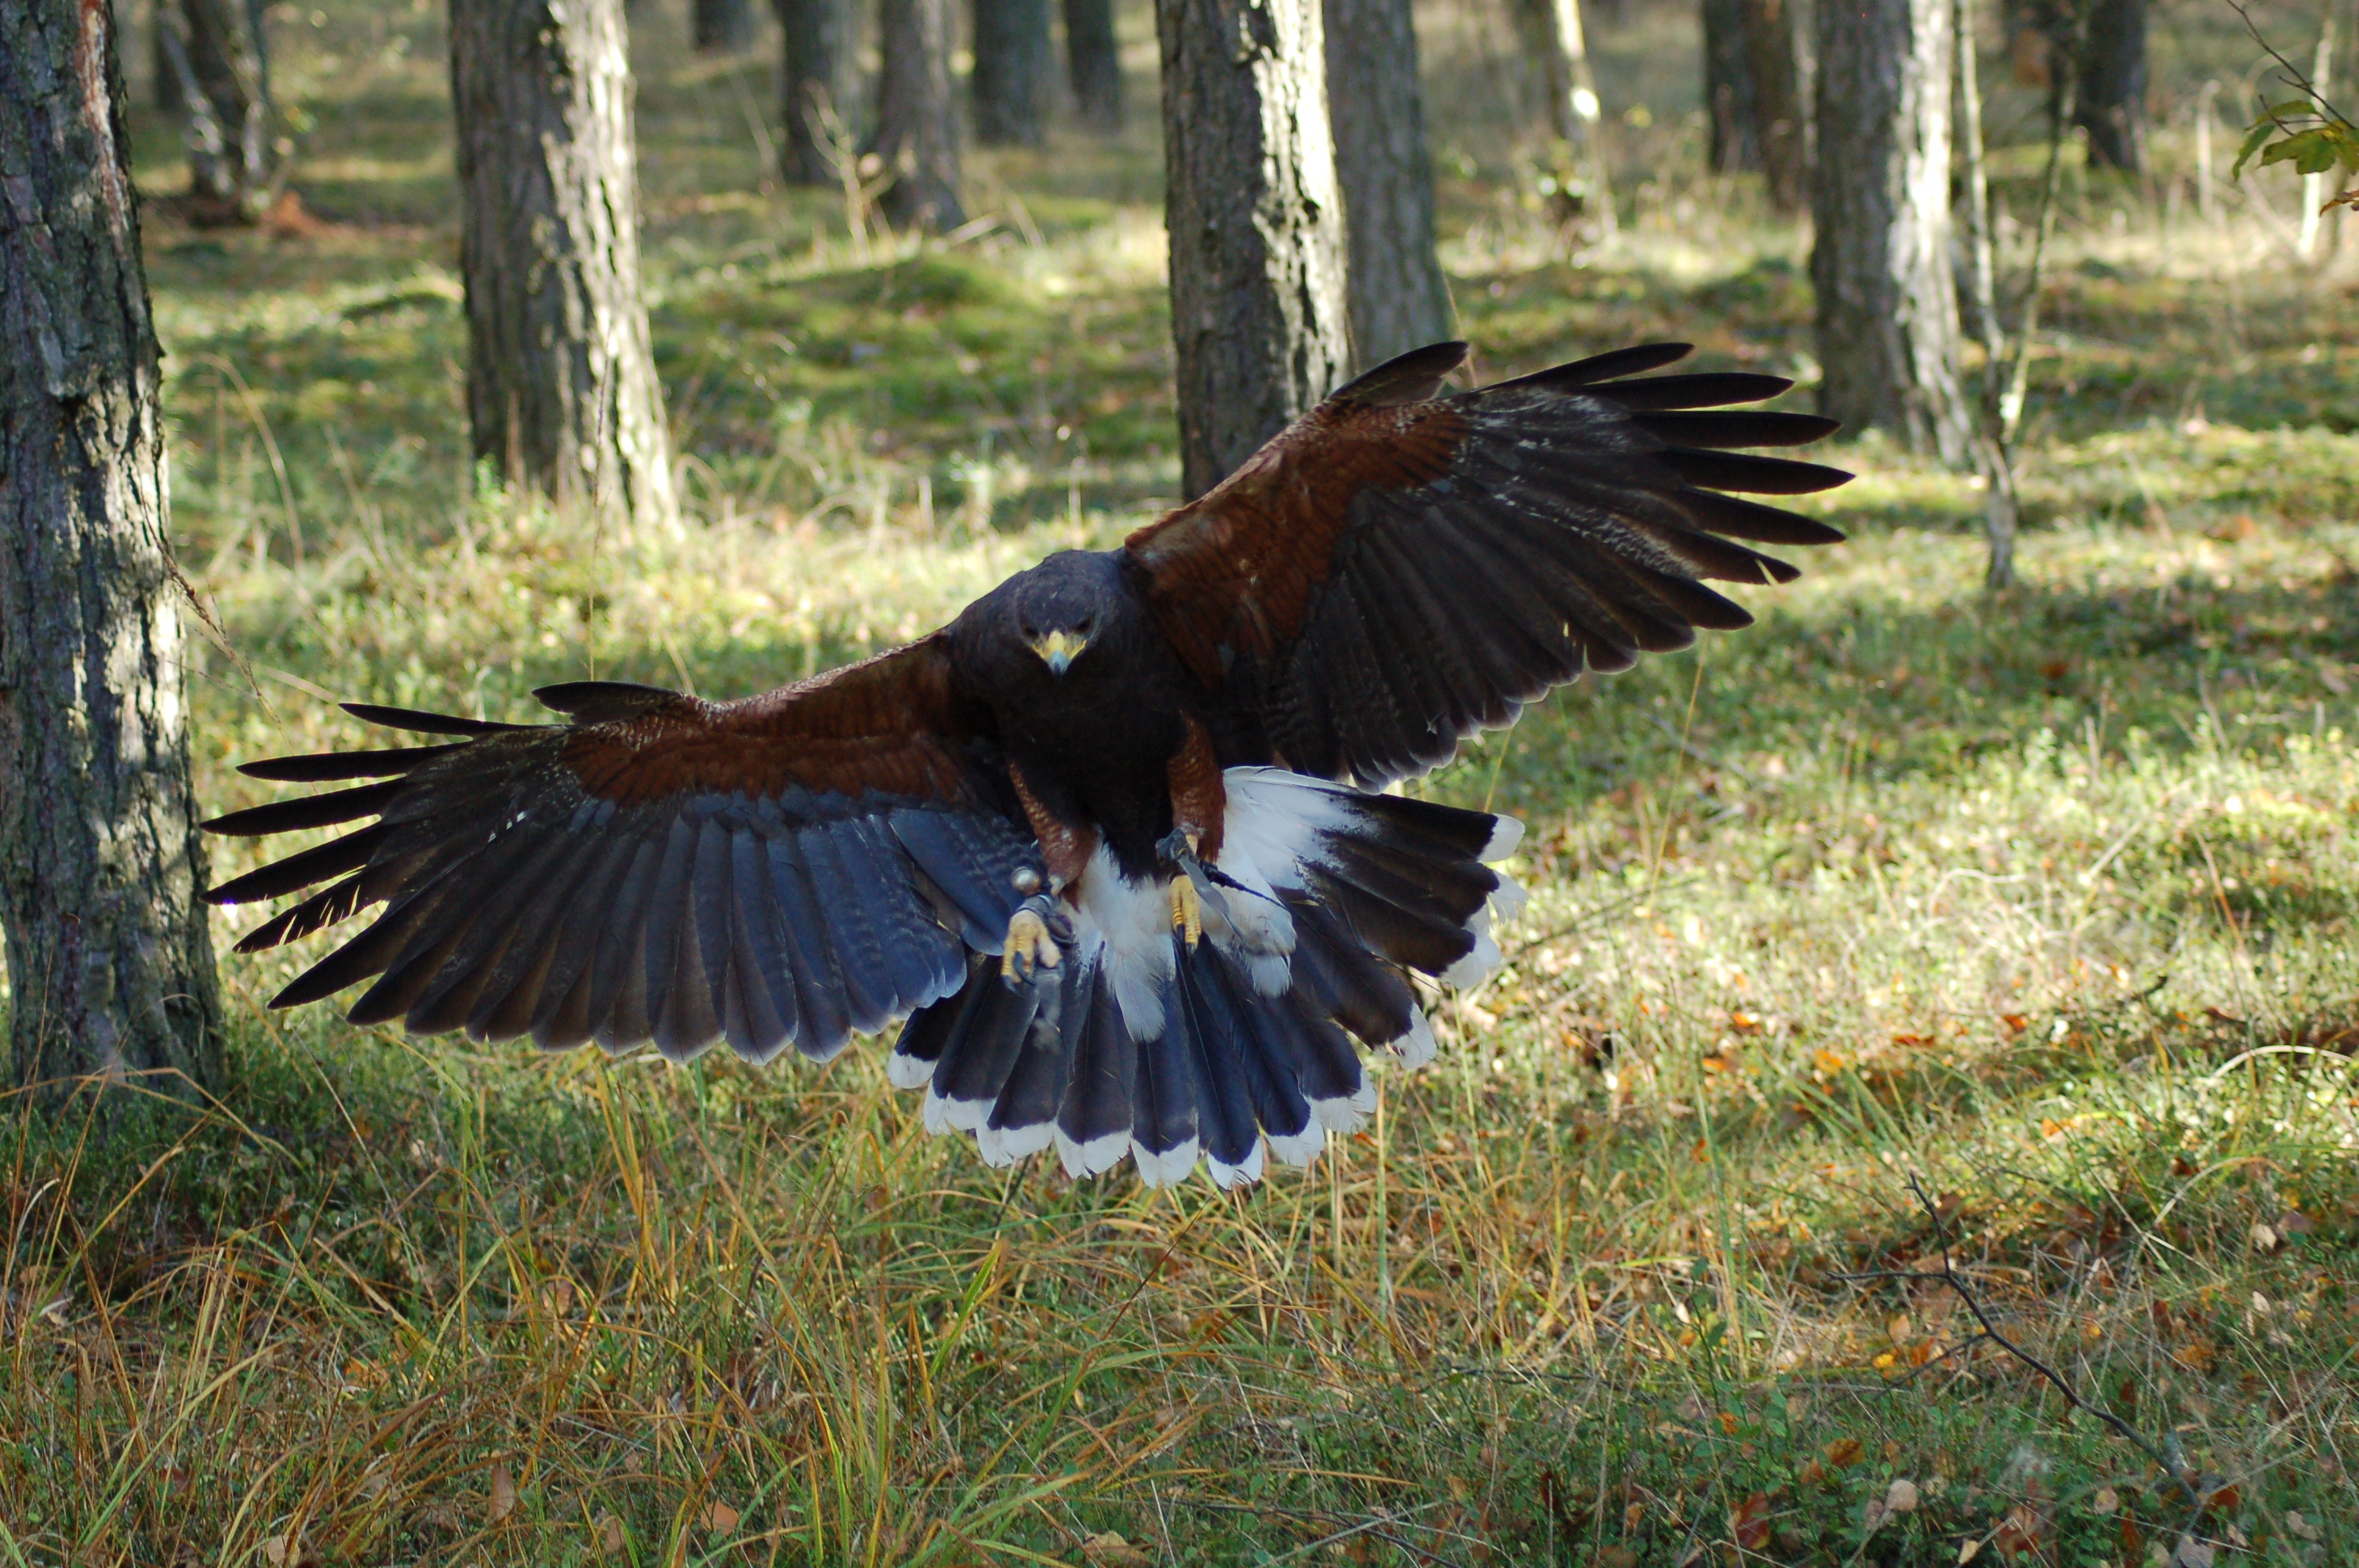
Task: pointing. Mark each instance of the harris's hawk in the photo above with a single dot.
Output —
(1110, 840)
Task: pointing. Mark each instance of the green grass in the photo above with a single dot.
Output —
(2047, 901)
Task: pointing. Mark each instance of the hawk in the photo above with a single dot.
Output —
(1114, 842)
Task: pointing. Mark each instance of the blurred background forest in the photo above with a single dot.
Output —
(2045, 895)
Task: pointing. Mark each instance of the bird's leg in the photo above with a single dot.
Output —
(1037, 935)
(1186, 908)
(1179, 847)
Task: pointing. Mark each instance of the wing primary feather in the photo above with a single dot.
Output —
(334, 859)
(1742, 519)
(1737, 427)
(422, 723)
(1702, 389)
(1635, 361)
(576, 939)
(307, 811)
(610, 969)
(826, 1018)
(322, 908)
(1412, 377)
(668, 913)
(763, 945)
(328, 767)
(1754, 476)
(365, 955)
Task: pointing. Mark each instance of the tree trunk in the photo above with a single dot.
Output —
(1255, 219)
(110, 961)
(1399, 299)
(2112, 83)
(917, 118)
(220, 70)
(1781, 121)
(1014, 60)
(1728, 88)
(561, 388)
(1094, 63)
(1887, 303)
(820, 79)
(1551, 32)
(722, 26)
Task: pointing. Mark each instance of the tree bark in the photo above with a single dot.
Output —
(819, 76)
(2112, 83)
(1728, 88)
(220, 70)
(561, 387)
(110, 961)
(722, 26)
(1014, 61)
(917, 118)
(1887, 303)
(1094, 63)
(1552, 33)
(1781, 121)
(1399, 299)
(1255, 217)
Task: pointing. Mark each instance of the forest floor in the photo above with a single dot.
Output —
(1912, 923)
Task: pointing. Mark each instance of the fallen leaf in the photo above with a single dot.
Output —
(2293, 1222)
(1843, 1452)
(1631, 1516)
(1827, 1062)
(1109, 1550)
(1810, 1474)
(2015, 1024)
(1901, 1497)
(504, 1495)
(1969, 1549)
(1745, 1023)
(274, 1551)
(2019, 1532)
(719, 1517)
(2191, 1553)
(1872, 1515)
(1749, 1522)
(2107, 1501)
(1618, 1557)
(2265, 1237)
(1728, 1422)
(609, 1531)
(2299, 1528)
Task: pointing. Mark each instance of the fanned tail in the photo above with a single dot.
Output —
(1241, 1045)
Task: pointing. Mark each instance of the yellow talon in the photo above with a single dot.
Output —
(1029, 943)
(1186, 908)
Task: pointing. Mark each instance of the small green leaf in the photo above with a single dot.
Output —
(2260, 133)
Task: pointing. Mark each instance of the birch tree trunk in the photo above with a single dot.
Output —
(820, 76)
(1551, 31)
(110, 962)
(561, 388)
(1014, 60)
(214, 50)
(1887, 303)
(1399, 299)
(1255, 217)
(917, 118)
(1094, 63)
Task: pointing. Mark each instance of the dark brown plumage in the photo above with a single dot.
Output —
(1013, 830)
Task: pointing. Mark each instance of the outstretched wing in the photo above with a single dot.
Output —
(1396, 569)
(788, 868)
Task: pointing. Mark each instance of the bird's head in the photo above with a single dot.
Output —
(1063, 608)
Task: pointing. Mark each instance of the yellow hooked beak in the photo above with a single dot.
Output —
(1057, 650)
